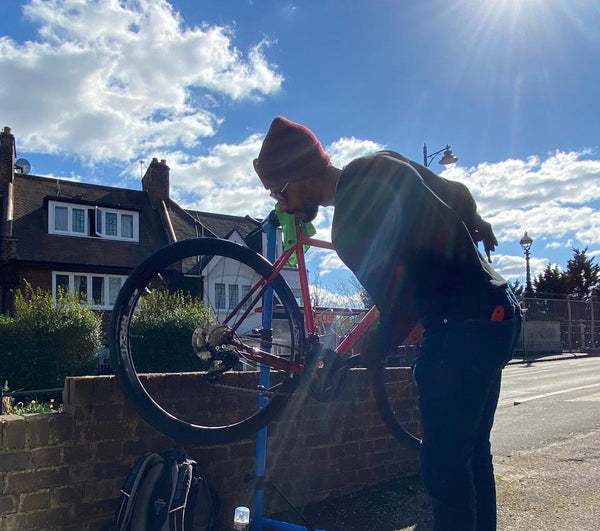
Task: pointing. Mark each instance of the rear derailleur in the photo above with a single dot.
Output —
(214, 343)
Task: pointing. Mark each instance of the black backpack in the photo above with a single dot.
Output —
(166, 492)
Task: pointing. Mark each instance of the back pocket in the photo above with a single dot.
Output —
(490, 344)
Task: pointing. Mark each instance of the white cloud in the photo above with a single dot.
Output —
(110, 79)
(554, 199)
(345, 149)
(562, 178)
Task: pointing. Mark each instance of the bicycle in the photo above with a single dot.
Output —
(230, 337)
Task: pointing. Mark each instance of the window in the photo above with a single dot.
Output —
(61, 219)
(80, 286)
(92, 221)
(234, 296)
(78, 220)
(111, 223)
(126, 226)
(245, 291)
(61, 284)
(114, 286)
(219, 296)
(99, 291)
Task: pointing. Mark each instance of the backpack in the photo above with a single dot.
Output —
(166, 492)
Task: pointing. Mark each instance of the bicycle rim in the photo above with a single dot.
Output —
(391, 399)
(162, 357)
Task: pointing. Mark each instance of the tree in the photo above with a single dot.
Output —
(365, 298)
(582, 276)
(516, 287)
(551, 281)
(48, 340)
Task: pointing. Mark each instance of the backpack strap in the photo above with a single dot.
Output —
(178, 515)
(130, 487)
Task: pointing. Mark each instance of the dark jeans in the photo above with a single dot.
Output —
(459, 374)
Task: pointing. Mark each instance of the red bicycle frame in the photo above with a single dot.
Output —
(348, 341)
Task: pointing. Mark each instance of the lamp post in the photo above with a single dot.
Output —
(526, 242)
(448, 157)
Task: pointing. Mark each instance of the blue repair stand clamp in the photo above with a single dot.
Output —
(258, 522)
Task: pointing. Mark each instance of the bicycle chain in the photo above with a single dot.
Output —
(258, 392)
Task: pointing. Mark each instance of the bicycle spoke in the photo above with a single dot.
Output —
(187, 317)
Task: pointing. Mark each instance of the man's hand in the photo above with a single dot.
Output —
(485, 234)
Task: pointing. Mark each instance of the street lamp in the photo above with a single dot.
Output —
(448, 157)
(526, 242)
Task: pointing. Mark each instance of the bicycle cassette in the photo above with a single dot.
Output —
(208, 338)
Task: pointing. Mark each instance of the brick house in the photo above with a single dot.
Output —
(57, 233)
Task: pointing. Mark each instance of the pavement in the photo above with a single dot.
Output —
(554, 487)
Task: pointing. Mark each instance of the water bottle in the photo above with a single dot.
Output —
(241, 519)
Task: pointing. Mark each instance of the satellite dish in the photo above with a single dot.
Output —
(23, 165)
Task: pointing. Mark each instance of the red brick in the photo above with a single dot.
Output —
(110, 430)
(62, 428)
(43, 457)
(32, 481)
(7, 504)
(14, 522)
(110, 469)
(67, 494)
(33, 501)
(106, 489)
(75, 454)
(38, 428)
(109, 450)
(15, 432)
(13, 461)
(51, 518)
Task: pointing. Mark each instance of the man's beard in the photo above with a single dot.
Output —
(306, 214)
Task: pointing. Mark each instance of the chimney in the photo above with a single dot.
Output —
(7, 158)
(156, 181)
(7, 177)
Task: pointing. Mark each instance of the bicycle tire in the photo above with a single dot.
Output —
(391, 406)
(188, 268)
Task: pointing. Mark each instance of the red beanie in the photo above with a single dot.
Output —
(290, 152)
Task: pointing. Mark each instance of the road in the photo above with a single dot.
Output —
(547, 460)
(545, 402)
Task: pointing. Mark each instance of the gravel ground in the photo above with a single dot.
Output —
(552, 488)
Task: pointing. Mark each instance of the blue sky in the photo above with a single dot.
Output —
(90, 88)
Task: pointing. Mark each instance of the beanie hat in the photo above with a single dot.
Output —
(289, 152)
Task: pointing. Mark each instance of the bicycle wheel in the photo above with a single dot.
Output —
(175, 314)
(391, 398)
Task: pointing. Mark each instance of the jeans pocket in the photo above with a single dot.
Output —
(490, 344)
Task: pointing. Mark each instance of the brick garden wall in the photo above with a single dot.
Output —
(63, 471)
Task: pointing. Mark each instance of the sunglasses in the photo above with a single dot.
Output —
(280, 196)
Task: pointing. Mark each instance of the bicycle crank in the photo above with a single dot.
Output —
(324, 374)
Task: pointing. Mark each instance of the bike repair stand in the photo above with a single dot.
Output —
(258, 522)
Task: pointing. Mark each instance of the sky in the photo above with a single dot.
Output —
(92, 88)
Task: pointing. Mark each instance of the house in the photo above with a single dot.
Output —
(87, 238)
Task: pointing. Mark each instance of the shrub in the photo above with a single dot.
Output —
(162, 331)
(47, 340)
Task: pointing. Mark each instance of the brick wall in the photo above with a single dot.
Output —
(63, 471)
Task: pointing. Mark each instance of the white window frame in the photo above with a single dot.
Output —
(52, 219)
(100, 229)
(106, 280)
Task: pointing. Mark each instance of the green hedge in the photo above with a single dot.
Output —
(162, 329)
(47, 340)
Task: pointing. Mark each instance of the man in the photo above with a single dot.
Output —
(409, 237)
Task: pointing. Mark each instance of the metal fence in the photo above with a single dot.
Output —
(578, 321)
